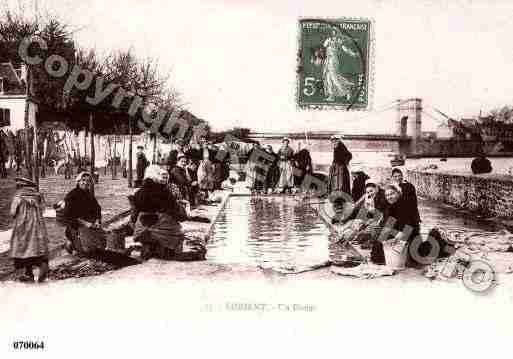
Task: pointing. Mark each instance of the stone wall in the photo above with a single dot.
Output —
(489, 194)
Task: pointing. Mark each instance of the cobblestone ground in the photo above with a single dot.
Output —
(111, 194)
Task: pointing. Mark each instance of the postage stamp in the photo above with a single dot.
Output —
(334, 64)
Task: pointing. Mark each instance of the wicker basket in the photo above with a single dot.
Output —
(115, 241)
(90, 239)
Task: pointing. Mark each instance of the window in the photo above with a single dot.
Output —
(5, 117)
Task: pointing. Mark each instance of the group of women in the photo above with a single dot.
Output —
(155, 223)
(284, 170)
(194, 172)
(157, 212)
(156, 217)
(279, 171)
(380, 214)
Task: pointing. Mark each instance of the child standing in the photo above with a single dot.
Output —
(29, 240)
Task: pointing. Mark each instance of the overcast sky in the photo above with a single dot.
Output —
(234, 61)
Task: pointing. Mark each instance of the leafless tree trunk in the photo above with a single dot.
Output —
(92, 169)
(130, 140)
(35, 149)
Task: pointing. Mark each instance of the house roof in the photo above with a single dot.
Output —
(469, 122)
(13, 85)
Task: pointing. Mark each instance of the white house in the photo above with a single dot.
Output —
(13, 98)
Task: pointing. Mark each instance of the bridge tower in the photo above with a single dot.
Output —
(409, 118)
(409, 124)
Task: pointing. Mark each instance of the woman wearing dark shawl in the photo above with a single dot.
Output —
(273, 172)
(339, 179)
(29, 239)
(256, 172)
(180, 179)
(83, 216)
(303, 164)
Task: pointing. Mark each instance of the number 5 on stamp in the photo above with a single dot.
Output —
(334, 67)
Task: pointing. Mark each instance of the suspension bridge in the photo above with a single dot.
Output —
(406, 139)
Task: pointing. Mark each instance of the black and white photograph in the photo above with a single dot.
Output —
(256, 179)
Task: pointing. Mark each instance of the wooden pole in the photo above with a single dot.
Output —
(35, 150)
(44, 141)
(92, 169)
(27, 126)
(85, 150)
(105, 155)
(109, 154)
(154, 149)
(130, 140)
(123, 158)
(114, 167)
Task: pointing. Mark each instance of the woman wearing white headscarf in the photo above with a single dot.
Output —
(206, 171)
(159, 215)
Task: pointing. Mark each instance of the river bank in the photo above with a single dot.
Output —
(475, 234)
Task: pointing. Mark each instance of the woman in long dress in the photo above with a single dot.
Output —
(29, 239)
(273, 172)
(339, 179)
(335, 84)
(285, 158)
(255, 168)
(206, 172)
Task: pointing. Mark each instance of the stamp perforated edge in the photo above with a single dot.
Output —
(370, 67)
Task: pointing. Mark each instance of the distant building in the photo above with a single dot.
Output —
(429, 135)
(444, 131)
(466, 129)
(492, 130)
(13, 98)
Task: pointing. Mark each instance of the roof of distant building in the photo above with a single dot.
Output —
(13, 85)
(468, 122)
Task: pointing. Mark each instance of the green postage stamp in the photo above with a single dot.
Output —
(334, 64)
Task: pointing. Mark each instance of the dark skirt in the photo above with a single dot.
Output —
(29, 262)
(339, 179)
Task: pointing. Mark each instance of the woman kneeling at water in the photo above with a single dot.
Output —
(158, 215)
(364, 223)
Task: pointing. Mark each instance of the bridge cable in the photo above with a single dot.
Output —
(438, 111)
(430, 115)
(375, 113)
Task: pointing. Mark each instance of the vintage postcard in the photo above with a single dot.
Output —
(220, 178)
